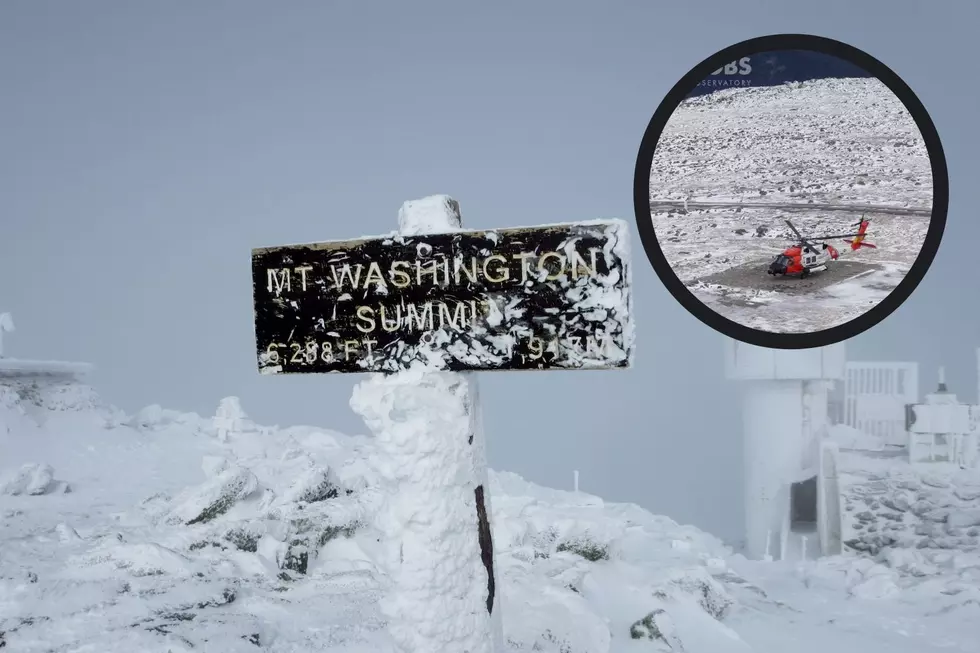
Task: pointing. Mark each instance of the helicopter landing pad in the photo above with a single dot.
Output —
(753, 276)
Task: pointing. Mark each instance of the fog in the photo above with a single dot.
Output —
(146, 148)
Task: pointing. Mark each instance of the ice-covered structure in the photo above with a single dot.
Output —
(41, 382)
(940, 429)
(230, 419)
(878, 400)
(792, 502)
(872, 398)
(815, 423)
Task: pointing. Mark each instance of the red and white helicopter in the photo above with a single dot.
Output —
(805, 257)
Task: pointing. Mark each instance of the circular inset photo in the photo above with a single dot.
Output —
(791, 191)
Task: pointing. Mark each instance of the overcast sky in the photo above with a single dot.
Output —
(146, 147)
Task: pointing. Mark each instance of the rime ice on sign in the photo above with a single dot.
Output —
(429, 215)
(549, 297)
(421, 306)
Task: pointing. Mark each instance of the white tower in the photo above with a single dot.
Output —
(790, 477)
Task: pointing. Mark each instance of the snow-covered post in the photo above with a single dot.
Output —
(6, 326)
(441, 214)
(437, 516)
(440, 593)
(575, 480)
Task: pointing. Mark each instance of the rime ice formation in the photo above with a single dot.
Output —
(941, 429)
(604, 302)
(430, 215)
(230, 418)
(466, 320)
(32, 479)
(436, 518)
(423, 423)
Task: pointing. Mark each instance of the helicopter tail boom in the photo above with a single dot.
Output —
(858, 241)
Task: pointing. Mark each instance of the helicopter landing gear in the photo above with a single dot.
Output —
(804, 274)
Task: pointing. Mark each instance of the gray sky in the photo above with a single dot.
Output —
(146, 147)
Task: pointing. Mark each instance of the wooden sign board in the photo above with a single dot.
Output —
(549, 297)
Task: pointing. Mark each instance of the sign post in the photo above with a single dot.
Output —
(424, 308)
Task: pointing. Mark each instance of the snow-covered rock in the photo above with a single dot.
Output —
(889, 503)
(215, 497)
(33, 479)
(155, 418)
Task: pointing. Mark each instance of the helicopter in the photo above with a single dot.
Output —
(805, 258)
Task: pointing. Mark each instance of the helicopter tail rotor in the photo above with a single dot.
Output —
(858, 241)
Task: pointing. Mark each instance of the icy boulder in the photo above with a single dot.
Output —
(32, 479)
(963, 518)
(314, 485)
(278, 498)
(587, 574)
(70, 397)
(155, 418)
(10, 399)
(13, 417)
(551, 618)
(214, 497)
(53, 403)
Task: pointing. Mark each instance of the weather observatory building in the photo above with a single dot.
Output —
(792, 502)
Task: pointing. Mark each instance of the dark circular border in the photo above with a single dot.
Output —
(644, 218)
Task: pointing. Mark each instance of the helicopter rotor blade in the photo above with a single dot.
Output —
(835, 236)
(798, 234)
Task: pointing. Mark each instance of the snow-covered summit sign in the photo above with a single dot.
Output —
(547, 297)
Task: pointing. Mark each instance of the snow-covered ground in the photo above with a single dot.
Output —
(821, 154)
(173, 532)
